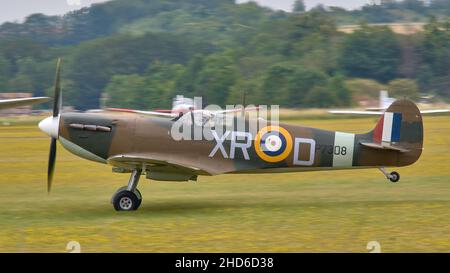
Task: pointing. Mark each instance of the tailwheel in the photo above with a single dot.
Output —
(394, 177)
(126, 201)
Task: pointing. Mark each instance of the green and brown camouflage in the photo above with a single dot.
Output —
(130, 141)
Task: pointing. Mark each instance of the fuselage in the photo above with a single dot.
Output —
(269, 148)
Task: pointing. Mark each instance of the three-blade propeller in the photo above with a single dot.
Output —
(57, 104)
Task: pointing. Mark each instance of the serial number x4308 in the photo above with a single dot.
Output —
(331, 149)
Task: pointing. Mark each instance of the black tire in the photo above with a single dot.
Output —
(124, 188)
(139, 196)
(125, 201)
(394, 177)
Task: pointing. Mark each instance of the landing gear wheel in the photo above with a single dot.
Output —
(394, 177)
(126, 201)
(136, 191)
(129, 197)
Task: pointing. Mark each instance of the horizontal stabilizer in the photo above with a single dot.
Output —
(379, 113)
(384, 146)
(436, 111)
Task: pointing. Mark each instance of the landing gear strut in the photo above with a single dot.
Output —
(393, 176)
(128, 198)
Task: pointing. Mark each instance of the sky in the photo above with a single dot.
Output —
(17, 10)
(12, 10)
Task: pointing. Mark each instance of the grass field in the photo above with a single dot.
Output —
(337, 211)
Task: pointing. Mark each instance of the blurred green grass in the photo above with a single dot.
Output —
(338, 211)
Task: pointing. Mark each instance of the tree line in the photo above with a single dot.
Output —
(141, 53)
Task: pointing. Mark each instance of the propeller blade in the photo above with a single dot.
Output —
(57, 99)
(47, 126)
(51, 164)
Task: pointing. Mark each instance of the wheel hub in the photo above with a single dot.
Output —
(125, 203)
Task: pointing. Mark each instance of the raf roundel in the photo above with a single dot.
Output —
(273, 144)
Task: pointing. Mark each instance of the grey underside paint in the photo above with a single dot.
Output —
(79, 151)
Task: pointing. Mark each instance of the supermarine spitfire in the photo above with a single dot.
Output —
(143, 144)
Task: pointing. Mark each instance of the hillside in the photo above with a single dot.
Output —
(112, 17)
(140, 53)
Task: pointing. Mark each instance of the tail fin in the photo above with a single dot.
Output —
(401, 129)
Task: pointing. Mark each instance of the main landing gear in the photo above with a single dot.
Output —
(393, 176)
(129, 197)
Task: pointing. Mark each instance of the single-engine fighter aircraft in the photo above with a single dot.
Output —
(12, 103)
(142, 144)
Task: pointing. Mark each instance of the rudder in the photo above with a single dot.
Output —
(401, 127)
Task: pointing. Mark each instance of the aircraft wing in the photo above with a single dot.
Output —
(351, 112)
(158, 167)
(238, 110)
(376, 109)
(149, 113)
(435, 111)
(163, 111)
(12, 103)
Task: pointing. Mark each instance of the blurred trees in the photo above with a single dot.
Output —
(435, 49)
(5, 72)
(154, 89)
(216, 78)
(364, 88)
(403, 88)
(371, 52)
(299, 6)
(343, 94)
(129, 91)
(321, 97)
(94, 63)
(142, 53)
